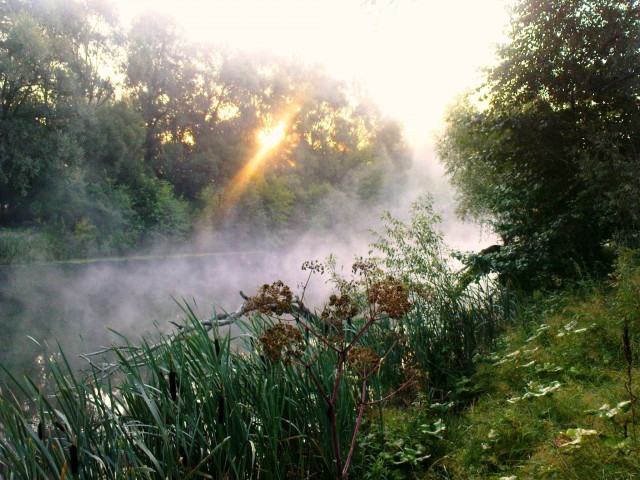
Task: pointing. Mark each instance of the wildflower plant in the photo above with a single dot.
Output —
(329, 348)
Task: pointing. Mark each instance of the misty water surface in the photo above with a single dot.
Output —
(77, 304)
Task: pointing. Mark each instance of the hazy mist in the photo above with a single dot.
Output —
(77, 304)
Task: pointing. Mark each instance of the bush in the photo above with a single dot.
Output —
(24, 245)
(453, 320)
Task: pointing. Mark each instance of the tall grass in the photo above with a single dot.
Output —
(191, 404)
(452, 322)
(200, 406)
(284, 399)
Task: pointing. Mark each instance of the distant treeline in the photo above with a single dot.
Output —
(113, 140)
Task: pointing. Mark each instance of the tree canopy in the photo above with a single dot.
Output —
(121, 138)
(547, 151)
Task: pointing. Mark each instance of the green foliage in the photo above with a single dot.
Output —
(558, 399)
(158, 211)
(23, 246)
(173, 137)
(45, 95)
(551, 161)
(278, 200)
(113, 143)
(402, 444)
(452, 322)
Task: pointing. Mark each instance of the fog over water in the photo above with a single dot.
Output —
(76, 304)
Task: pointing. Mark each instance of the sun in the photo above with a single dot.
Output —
(271, 137)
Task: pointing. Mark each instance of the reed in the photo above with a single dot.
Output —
(222, 413)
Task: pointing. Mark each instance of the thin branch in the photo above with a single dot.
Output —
(361, 333)
(318, 385)
(108, 368)
(317, 335)
(392, 394)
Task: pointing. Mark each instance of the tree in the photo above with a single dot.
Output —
(176, 132)
(552, 162)
(50, 58)
(158, 72)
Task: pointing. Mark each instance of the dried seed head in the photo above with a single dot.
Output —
(221, 409)
(363, 267)
(275, 298)
(362, 359)
(173, 387)
(73, 459)
(282, 342)
(340, 309)
(390, 296)
(314, 266)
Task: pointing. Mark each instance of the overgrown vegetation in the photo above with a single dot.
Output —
(549, 157)
(293, 396)
(557, 399)
(389, 380)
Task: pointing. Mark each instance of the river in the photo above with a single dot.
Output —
(76, 304)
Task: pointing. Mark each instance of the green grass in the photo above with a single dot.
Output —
(556, 400)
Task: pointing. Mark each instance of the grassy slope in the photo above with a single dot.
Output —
(555, 399)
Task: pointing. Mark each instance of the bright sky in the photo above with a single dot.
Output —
(412, 56)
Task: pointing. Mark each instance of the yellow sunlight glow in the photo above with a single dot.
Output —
(412, 58)
(271, 137)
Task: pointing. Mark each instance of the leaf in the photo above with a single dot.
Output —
(572, 438)
(606, 411)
